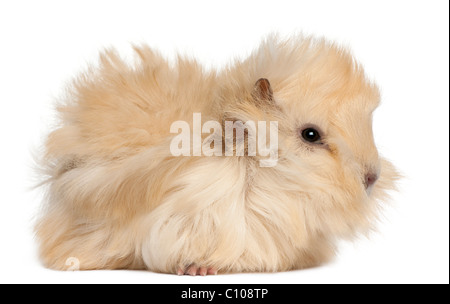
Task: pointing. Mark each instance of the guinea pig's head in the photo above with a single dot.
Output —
(324, 105)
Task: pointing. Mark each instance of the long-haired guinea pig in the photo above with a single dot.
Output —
(142, 174)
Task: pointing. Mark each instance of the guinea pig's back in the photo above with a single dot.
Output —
(118, 108)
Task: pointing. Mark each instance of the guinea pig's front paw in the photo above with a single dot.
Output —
(196, 270)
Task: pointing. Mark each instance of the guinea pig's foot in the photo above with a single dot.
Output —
(195, 270)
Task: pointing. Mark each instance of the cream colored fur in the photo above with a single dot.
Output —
(117, 198)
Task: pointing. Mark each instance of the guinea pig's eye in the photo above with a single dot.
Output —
(311, 135)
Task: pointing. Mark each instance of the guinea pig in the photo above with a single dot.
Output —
(121, 192)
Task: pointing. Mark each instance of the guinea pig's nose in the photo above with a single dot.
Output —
(370, 178)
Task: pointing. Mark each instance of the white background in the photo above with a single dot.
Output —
(402, 44)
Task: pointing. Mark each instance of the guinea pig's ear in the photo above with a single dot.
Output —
(262, 91)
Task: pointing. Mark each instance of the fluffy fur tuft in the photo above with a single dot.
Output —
(117, 198)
